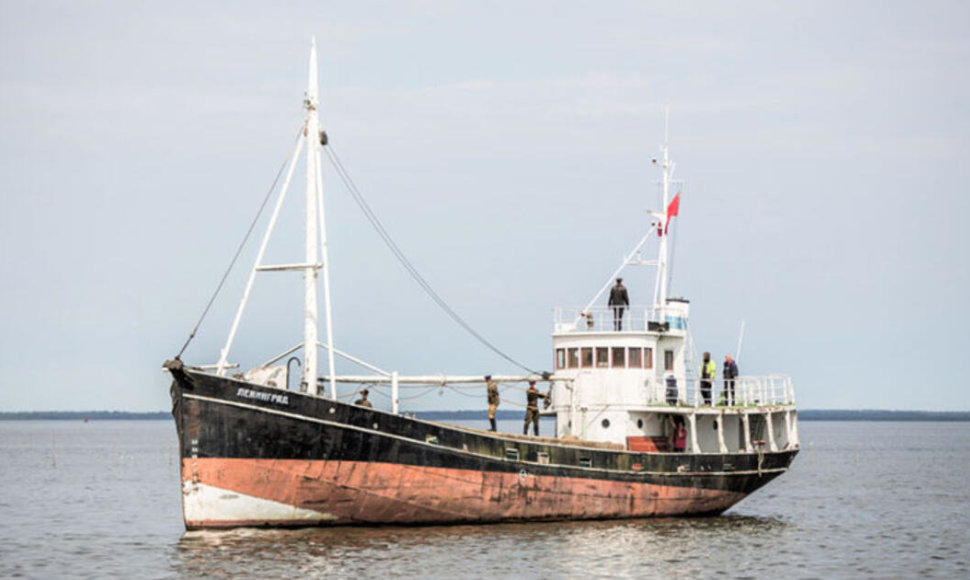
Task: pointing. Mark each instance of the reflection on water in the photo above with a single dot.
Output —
(608, 548)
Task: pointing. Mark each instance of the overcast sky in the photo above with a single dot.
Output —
(506, 146)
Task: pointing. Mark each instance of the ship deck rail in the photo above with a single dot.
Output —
(568, 440)
(567, 320)
(748, 391)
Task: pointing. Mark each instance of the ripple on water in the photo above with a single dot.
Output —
(863, 506)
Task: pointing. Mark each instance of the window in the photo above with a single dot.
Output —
(668, 360)
(586, 357)
(636, 358)
(573, 358)
(602, 357)
(648, 358)
(619, 358)
(560, 358)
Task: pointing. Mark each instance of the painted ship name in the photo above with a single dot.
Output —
(261, 396)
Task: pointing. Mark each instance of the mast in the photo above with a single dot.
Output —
(315, 240)
(660, 295)
(316, 246)
(663, 216)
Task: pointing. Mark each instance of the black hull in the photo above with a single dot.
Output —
(349, 464)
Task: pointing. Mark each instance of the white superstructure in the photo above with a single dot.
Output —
(624, 383)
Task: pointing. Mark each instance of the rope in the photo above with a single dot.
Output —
(242, 244)
(396, 250)
(419, 395)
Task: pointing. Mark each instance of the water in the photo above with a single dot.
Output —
(862, 500)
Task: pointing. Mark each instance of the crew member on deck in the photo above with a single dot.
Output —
(730, 373)
(532, 409)
(679, 434)
(708, 373)
(362, 401)
(493, 400)
(619, 300)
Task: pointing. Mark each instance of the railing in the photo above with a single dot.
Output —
(634, 319)
(748, 392)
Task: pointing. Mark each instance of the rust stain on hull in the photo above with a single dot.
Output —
(387, 493)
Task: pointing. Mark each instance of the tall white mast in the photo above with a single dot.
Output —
(316, 244)
(315, 239)
(660, 296)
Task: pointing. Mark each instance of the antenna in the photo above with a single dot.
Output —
(737, 353)
(666, 123)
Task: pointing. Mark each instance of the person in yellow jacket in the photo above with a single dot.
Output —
(708, 373)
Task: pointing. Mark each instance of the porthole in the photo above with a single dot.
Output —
(605, 423)
(333, 410)
(639, 423)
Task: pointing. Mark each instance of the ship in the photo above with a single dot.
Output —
(638, 433)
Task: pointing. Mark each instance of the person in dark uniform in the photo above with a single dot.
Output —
(619, 300)
(708, 374)
(679, 435)
(493, 400)
(362, 401)
(730, 373)
(532, 396)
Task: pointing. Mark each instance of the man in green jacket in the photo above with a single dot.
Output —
(493, 400)
(708, 373)
(532, 396)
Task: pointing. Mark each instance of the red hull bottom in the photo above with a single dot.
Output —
(266, 492)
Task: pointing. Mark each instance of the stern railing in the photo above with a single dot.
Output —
(749, 391)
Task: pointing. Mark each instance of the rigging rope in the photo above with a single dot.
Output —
(242, 244)
(399, 254)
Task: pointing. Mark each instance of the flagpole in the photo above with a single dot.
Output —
(660, 298)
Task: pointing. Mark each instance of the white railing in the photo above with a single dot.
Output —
(754, 391)
(634, 319)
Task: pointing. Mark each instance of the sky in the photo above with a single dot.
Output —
(506, 146)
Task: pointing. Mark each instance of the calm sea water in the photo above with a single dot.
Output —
(101, 499)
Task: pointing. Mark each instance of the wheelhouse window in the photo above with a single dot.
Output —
(602, 357)
(619, 357)
(560, 358)
(573, 359)
(648, 358)
(586, 357)
(636, 358)
(668, 360)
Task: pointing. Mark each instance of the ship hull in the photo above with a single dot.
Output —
(257, 456)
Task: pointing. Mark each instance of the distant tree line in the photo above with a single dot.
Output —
(876, 415)
(82, 415)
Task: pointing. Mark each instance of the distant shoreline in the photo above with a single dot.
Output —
(503, 415)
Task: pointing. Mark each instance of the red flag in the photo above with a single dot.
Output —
(672, 210)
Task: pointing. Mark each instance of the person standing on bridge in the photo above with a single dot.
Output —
(619, 300)
(493, 400)
(730, 373)
(708, 374)
(532, 396)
